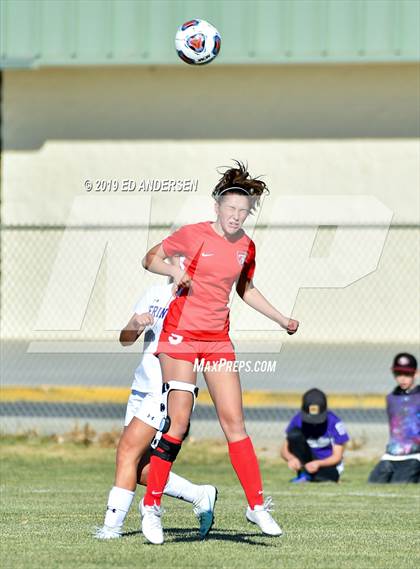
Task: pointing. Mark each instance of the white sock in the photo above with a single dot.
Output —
(179, 487)
(119, 502)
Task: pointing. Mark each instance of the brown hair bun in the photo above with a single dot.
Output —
(237, 180)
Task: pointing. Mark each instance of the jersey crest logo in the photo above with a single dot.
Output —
(241, 256)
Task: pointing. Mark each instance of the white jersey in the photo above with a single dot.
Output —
(156, 301)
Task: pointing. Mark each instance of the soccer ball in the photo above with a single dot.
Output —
(197, 42)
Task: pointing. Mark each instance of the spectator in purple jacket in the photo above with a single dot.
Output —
(401, 461)
(315, 440)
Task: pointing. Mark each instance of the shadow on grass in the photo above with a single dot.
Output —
(129, 533)
(183, 535)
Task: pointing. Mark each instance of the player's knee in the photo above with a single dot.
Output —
(128, 451)
(179, 426)
(233, 426)
(177, 430)
(125, 454)
(180, 419)
(179, 404)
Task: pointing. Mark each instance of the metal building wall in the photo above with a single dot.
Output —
(108, 32)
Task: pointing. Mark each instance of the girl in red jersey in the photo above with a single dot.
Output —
(217, 255)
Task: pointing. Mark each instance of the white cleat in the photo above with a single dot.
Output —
(204, 509)
(261, 516)
(106, 532)
(151, 524)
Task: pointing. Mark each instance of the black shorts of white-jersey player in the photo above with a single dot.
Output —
(144, 416)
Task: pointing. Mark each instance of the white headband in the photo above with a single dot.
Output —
(234, 188)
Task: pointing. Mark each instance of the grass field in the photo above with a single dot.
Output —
(54, 494)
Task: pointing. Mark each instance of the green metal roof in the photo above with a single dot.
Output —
(109, 32)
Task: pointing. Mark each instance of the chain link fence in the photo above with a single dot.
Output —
(66, 292)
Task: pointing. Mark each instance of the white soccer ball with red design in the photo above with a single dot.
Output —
(197, 42)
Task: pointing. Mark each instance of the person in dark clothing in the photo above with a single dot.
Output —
(315, 439)
(401, 461)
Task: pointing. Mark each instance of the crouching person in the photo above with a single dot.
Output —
(315, 439)
(401, 461)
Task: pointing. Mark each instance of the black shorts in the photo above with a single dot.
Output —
(396, 472)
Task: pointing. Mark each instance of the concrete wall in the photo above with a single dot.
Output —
(332, 131)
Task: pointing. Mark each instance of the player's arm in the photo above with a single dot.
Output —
(154, 261)
(135, 327)
(292, 461)
(335, 458)
(253, 297)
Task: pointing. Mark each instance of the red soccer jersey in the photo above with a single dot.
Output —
(215, 264)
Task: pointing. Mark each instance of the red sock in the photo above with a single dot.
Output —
(158, 475)
(245, 463)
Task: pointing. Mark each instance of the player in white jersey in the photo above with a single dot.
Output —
(143, 418)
